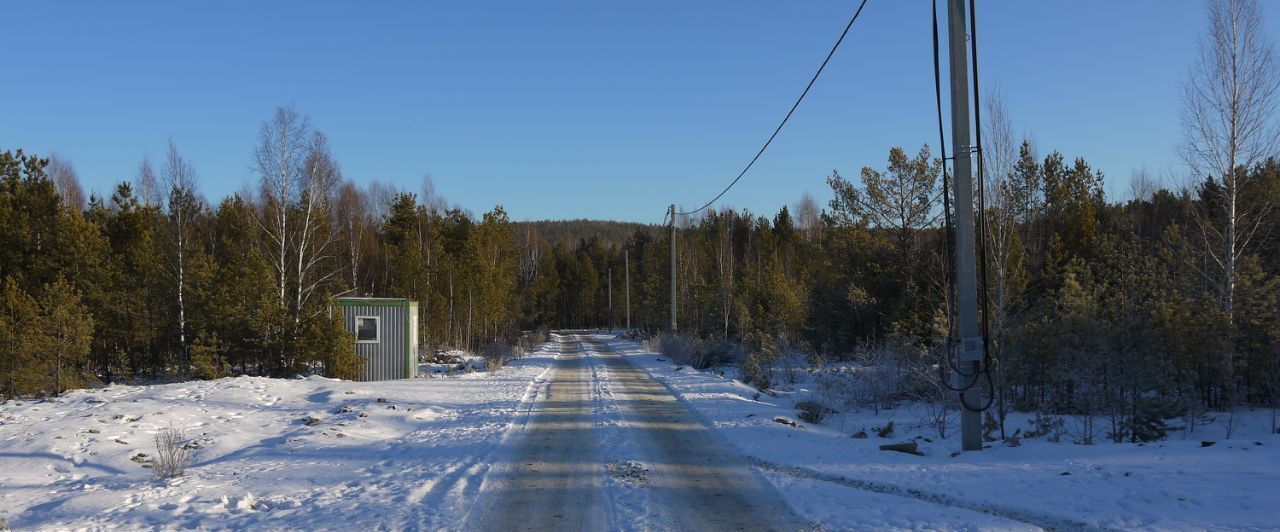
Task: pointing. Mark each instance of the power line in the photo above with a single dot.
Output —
(784, 120)
(982, 210)
(985, 368)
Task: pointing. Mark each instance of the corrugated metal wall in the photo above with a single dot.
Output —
(392, 357)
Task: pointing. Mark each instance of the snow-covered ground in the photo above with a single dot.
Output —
(314, 453)
(451, 362)
(397, 454)
(848, 483)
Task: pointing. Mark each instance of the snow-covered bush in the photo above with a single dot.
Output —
(172, 453)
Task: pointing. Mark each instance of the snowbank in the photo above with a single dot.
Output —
(846, 482)
(397, 454)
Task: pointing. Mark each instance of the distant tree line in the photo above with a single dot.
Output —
(572, 232)
(154, 282)
(1093, 304)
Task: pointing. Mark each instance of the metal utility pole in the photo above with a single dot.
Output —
(969, 358)
(627, 259)
(673, 268)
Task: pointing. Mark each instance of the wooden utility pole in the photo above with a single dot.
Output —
(969, 358)
(627, 259)
(673, 268)
(610, 298)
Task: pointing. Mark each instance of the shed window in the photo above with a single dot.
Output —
(367, 329)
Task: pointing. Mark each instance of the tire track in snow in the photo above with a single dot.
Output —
(549, 477)
(465, 478)
(1047, 522)
(696, 484)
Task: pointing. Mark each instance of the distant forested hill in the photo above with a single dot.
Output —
(611, 234)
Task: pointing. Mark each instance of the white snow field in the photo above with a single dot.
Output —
(412, 462)
(847, 483)
(462, 452)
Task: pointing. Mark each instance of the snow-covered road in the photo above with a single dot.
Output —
(553, 476)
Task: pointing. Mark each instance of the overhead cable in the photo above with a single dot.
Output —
(786, 118)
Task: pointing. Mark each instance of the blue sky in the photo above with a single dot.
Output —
(585, 109)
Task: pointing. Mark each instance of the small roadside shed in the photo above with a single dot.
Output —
(386, 331)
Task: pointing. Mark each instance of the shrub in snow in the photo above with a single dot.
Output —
(686, 350)
(172, 454)
(532, 339)
(717, 353)
(989, 426)
(752, 372)
(839, 388)
(1045, 425)
(678, 348)
(811, 411)
(1146, 421)
(790, 362)
(883, 376)
(496, 354)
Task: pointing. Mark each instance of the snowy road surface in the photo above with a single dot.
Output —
(553, 480)
(554, 476)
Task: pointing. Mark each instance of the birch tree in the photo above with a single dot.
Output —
(148, 184)
(352, 213)
(1006, 254)
(64, 177)
(179, 179)
(809, 218)
(999, 157)
(280, 163)
(297, 177)
(1228, 127)
(314, 242)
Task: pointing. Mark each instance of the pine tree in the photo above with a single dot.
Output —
(20, 372)
(208, 358)
(64, 331)
(335, 347)
(241, 283)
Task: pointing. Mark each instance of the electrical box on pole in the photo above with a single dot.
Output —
(971, 352)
